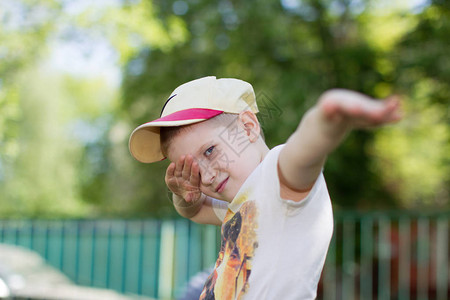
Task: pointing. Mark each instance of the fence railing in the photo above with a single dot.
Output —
(371, 256)
(388, 256)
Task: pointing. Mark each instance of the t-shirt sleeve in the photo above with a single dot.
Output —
(220, 208)
(319, 189)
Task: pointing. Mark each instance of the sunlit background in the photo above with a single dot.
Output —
(76, 77)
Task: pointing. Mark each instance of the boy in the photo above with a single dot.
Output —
(273, 205)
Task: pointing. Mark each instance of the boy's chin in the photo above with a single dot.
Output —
(227, 199)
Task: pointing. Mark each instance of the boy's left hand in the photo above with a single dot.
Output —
(183, 178)
(358, 110)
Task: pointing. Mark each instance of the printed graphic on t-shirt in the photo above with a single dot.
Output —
(234, 264)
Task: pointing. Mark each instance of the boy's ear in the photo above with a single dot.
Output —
(250, 124)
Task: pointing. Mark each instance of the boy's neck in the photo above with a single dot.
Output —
(264, 149)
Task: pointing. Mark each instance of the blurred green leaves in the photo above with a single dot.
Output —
(132, 26)
(413, 157)
(293, 51)
(63, 137)
(22, 32)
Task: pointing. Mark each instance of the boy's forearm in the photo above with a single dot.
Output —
(318, 136)
(305, 152)
(202, 211)
(187, 209)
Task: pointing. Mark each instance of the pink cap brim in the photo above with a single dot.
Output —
(189, 114)
(144, 142)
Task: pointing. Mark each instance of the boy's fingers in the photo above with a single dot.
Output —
(179, 166)
(359, 109)
(375, 112)
(195, 174)
(186, 172)
(395, 98)
(391, 112)
(394, 116)
(170, 171)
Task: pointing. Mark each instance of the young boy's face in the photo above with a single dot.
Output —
(226, 156)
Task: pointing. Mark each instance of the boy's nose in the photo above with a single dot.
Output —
(207, 175)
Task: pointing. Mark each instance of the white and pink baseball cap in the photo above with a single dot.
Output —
(192, 102)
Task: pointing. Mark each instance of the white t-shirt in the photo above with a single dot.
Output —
(272, 248)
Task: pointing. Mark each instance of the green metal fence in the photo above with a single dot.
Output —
(147, 257)
(371, 256)
(388, 256)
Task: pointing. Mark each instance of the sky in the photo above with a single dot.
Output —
(85, 55)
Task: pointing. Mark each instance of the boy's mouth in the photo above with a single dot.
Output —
(221, 186)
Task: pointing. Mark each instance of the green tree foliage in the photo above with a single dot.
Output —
(63, 139)
(289, 55)
(131, 26)
(22, 32)
(291, 51)
(54, 128)
(414, 157)
(61, 124)
(40, 180)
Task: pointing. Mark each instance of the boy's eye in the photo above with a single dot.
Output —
(209, 151)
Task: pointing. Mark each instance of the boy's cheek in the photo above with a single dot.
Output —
(205, 191)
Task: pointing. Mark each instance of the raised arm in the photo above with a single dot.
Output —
(323, 128)
(183, 179)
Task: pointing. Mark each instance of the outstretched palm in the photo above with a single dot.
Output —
(360, 111)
